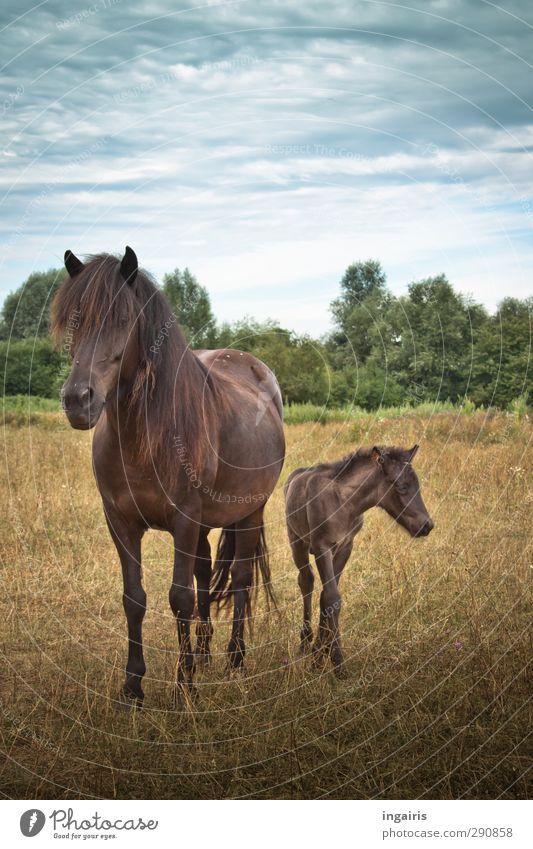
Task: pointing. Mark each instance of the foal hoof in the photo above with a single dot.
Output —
(127, 702)
(318, 661)
(305, 647)
(202, 658)
(234, 671)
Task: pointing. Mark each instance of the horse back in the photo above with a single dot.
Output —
(241, 368)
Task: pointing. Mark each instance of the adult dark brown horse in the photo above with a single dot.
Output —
(325, 505)
(184, 442)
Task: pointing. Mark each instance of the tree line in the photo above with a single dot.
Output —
(433, 343)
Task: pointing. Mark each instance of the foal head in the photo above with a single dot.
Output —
(97, 313)
(399, 490)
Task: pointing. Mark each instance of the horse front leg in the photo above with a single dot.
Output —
(127, 539)
(202, 573)
(181, 598)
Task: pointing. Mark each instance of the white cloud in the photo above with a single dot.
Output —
(268, 159)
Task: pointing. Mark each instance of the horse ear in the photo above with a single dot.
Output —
(377, 455)
(129, 266)
(412, 452)
(73, 264)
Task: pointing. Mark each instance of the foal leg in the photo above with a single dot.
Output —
(181, 598)
(306, 580)
(128, 544)
(340, 560)
(247, 536)
(202, 573)
(330, 604)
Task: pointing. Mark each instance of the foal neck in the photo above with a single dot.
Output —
(363, 484)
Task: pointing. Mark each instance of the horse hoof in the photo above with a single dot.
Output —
(127, 702)
(183, 697)
(340, 671)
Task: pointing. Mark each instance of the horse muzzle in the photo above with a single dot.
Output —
(82, 405)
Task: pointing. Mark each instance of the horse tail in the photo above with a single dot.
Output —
(221, 589)
(262, 570)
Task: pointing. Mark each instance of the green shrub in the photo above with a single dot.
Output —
(518, 407)
(29, 367)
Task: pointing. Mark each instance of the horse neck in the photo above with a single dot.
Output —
(185, 396)
(119, 416)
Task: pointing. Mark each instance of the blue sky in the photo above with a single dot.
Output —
(268, 145)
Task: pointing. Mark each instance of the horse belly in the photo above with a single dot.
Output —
(233, 497)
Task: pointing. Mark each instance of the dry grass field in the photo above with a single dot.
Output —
(436, 632)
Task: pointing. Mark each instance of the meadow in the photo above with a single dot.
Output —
(437, 634)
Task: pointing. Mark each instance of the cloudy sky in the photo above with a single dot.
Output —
(267, 145)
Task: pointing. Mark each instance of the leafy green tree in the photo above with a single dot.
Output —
(360, 280)
(433, 333)
(359, 312)
(25, 313)
(503, 361)
(191, 304)
(29, 367)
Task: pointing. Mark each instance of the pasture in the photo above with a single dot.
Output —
(436, 634)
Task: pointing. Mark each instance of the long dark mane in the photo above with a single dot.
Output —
(173, 391)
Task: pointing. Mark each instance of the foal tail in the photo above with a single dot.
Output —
(221, 589)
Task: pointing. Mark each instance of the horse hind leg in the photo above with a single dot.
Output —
(247, 543)
(182, 597)
(306, 580)
(202, 573)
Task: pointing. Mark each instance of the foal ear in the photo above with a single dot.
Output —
(73, 264)
(129, 266)
(412, 452)
(377, 455)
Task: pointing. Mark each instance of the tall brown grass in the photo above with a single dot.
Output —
(436, 633)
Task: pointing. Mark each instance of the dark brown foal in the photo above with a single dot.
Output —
(324, 511)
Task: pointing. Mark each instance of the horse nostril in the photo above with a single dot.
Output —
(87, 395)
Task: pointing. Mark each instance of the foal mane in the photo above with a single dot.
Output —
(342, 468)
(173, 394)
